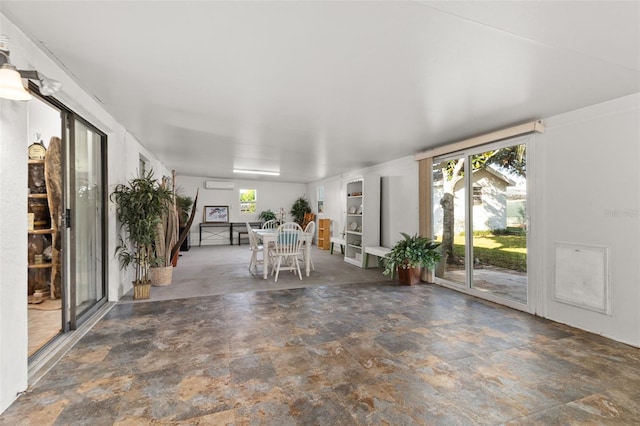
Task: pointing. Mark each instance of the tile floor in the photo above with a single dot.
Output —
(369, 353)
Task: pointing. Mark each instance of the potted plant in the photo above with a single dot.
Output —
(139, 207)
(161, 272)
(298, 210)
(183, 205)
(409, 256)
(267, 215)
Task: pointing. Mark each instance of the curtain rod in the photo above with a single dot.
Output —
(509, 132)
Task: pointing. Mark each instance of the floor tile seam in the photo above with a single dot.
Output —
(488, 357)
(493, 392)
(546, 349)
(486, 384)
(594, 343)
(554, 407)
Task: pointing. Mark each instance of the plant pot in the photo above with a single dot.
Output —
(409, 276)
(141, 290)
(161, 275)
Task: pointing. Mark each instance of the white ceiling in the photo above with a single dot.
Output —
(314, 89)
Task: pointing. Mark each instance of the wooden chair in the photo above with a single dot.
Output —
(270, 224)
(255, 250)
(287, 249)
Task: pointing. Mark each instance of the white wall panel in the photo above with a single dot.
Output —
(591, 197)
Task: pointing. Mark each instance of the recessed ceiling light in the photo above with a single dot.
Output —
(256, 172)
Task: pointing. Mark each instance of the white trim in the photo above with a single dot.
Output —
(510, 132)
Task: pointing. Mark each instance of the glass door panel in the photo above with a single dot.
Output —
(480, 218)
(88, 218)
(449, 218)
(85, 211)
(498, 209)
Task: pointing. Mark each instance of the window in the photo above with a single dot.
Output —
(477, 195)
(142, 165)
(248, 201)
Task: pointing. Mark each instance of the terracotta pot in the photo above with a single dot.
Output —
(409, 276)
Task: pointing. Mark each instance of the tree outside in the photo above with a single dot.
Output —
(510, 161)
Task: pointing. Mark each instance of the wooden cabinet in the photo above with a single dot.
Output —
(324, 234)
(363, 218)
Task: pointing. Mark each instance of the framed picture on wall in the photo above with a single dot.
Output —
(216, 214)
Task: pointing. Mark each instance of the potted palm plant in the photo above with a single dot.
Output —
(409, 255)
(298, 210)
(139, 207)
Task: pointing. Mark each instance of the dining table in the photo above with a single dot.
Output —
(268, 237)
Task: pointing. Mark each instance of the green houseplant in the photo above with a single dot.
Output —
(140, 204)
(183, 205)
(409, 255)
(267, 215)
(298, 210)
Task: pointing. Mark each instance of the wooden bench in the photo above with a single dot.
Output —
(337, 240)
(378, 251)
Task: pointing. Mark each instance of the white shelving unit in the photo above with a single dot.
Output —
(363, 218)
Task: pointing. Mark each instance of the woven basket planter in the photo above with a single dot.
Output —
(161, 275)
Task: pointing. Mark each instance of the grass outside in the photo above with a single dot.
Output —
(502, 251)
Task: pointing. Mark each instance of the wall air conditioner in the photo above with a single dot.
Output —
(214, 184)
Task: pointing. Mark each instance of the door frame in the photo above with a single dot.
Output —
(468, 288)
(69, 319)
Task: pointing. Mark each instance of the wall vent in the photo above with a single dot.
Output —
(582, 277)
(215, 184)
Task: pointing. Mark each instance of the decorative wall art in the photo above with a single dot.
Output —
(216, 214)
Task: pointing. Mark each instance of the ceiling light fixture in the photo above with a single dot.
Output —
(256, 172)
(11, 79)
(11, 83)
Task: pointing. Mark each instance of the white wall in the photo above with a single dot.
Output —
(398, 200)
(334, 202)
(269, 196)
(590, 185)
(13, 251)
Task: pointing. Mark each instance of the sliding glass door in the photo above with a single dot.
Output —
(85, 219)
(450, 218)
(480, 218)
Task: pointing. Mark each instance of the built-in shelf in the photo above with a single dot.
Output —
(40, 231)
(40, 265)
(363, 214)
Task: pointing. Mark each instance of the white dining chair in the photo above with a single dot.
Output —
(311, 229)
(287, 249)
(270, 224)
(255, 250)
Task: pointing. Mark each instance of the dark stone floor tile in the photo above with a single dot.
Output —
(319, 409)
(363, 354)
